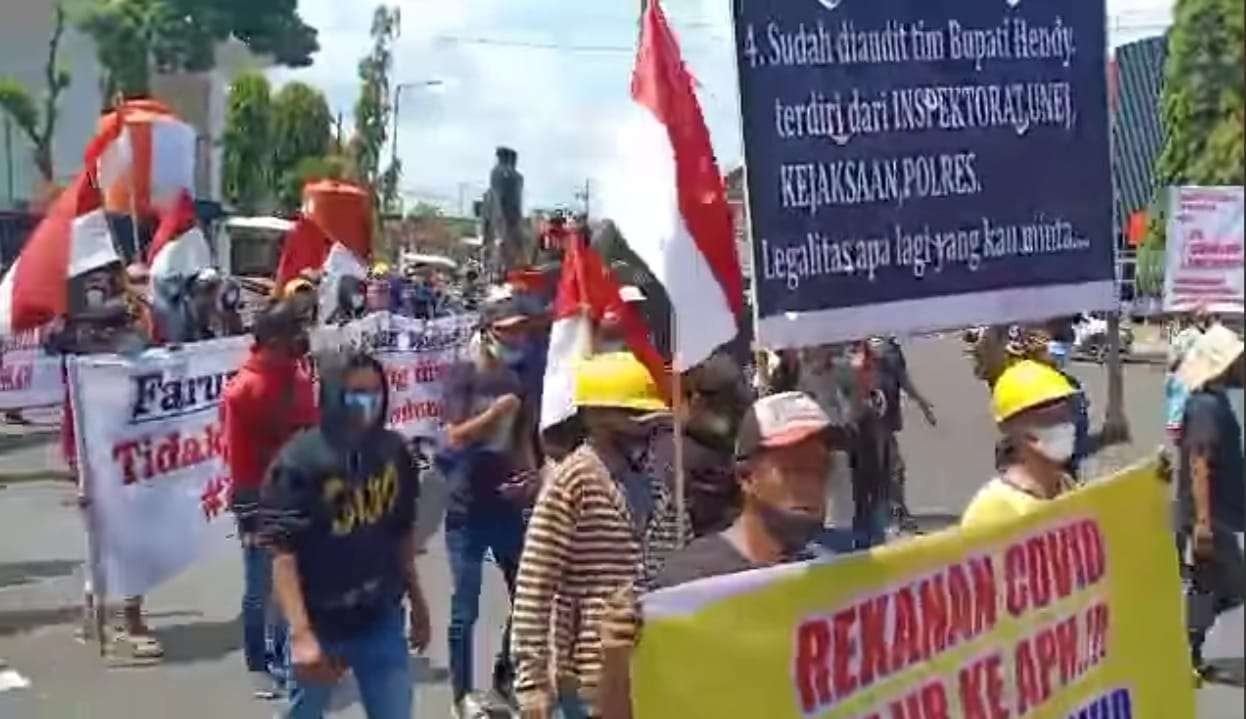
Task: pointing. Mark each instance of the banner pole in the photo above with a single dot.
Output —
(99, 589)
(677, 402)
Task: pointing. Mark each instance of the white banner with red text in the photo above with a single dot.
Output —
(29, 376)
(1204, 250)
(151, 444)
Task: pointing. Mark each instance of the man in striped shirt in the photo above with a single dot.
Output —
(602, 519)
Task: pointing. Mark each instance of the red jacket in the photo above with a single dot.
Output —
(270, 399)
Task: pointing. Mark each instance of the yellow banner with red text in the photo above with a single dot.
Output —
(1071, 612)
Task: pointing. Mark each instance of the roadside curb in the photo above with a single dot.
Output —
(38, 475)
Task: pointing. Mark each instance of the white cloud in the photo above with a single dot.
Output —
(559, 109)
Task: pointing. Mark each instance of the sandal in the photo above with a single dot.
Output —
(137, 646)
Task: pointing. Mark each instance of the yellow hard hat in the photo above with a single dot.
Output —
(616, 379)
(380, 269)
(295, 285)
(1025, 385)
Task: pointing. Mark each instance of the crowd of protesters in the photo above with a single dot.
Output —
(584, 517)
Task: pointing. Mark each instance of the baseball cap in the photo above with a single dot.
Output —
(780, 420)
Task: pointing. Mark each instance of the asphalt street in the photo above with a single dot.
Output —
(196, 615)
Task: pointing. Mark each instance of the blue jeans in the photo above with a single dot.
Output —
(378, 657)
(571, 706)
(466, 543)
(261, 622)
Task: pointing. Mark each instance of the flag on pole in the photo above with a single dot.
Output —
(178, 249)
(305, 247)
(144, 155)
(586, 293)
(672, 207)
(72, 238)
(341, 262)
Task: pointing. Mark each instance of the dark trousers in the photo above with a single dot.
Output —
(467, 540)
(261, 624)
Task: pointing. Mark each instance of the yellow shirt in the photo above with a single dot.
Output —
(998, 501)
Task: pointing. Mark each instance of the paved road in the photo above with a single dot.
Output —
(196, 614)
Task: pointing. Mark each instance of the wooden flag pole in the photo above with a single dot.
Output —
(677, 415)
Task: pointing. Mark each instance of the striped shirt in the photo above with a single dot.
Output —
(580, 549)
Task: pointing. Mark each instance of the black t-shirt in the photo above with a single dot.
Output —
(709, 556)
(342, 511)
(475, 473)
(1211, 428)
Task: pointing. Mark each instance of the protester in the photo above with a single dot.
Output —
(199, 306)
(270, 399)
(301, 292)
(715, 399)
(99, 321)
(894, 379)
(1211, 495)
(138, 294)
(1175, 392)
(602, 513)
(490, 466)
(783, 450)
(1033, 404)
(338, 510)
(352, 301)
(227, 319)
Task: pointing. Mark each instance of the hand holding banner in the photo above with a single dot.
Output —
(1076, 606)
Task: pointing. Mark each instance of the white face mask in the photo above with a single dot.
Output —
(1056, 443)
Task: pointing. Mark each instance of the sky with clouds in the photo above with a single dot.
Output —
(546, 77)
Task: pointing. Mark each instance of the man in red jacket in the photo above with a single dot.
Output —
(267, 402)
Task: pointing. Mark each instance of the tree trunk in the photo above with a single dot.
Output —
(1115, 423)
(43, 161)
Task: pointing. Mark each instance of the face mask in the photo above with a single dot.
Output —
(507, 354)
(1056, 443)
(366, 406)
(792, 530)
(95, 297)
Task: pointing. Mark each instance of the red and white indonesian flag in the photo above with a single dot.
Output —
(668, 200)
(587, 292)
(178, 248)
(341, 262)
(145, 157)
(73, 238)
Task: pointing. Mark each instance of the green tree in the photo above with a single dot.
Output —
(16, 100)
(135, 38)
(302, 130)
(372, 110)
(424, 210)
(1202, 103)
(247, 165)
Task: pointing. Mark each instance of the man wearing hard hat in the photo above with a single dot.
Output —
(603, 522)
(1033, 405)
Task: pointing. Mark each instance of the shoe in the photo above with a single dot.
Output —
(263, 686)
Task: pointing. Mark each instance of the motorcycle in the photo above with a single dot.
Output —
(1090, 338)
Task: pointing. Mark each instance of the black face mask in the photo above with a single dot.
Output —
(792, 530)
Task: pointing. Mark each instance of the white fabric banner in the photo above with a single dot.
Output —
(151, 459)
(151, 446)
(1204, 250)
(29, 377)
